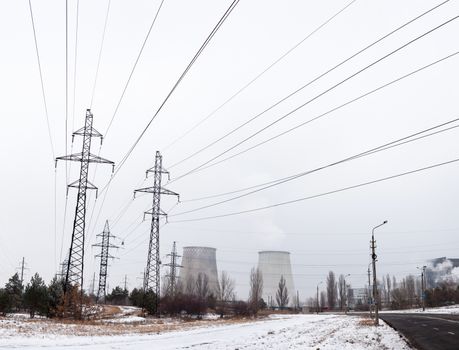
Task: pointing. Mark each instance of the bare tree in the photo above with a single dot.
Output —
(389, 288)
(312, 304)
(342, 292)
(190, 285)
(410, 289)
(323, 300)
(225, 293)
(202, 286)
(256, 289)
(225, 289)
(383, 292)
(282, 297)
(331, 290)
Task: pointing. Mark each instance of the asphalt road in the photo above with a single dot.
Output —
(427, 331)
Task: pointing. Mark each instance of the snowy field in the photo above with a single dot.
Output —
(276, 332)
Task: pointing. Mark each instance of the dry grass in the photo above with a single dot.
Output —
(67, 327)
(366, 322)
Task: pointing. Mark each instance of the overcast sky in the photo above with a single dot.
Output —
(331, 232)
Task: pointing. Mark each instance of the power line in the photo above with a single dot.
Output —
(308, 83)
(75, 65)
(73, 123)
(122, 95)
(326, 113)
(259, 75)
(321, 234)
(294, 176)
(321, 194)
(100, 55)
(413, 249)
(201, 49)
(386, 146)
(66, 85)
(134, 66)
(198, 53)
(41, 80)
(123, 239)
(319, 95)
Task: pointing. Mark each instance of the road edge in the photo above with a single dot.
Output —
(410, 342)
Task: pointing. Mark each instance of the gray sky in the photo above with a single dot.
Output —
(331, 231)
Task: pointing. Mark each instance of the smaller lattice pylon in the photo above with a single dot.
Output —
(173, 265)
(152, 271)
(104, 255)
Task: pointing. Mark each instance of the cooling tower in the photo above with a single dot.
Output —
(273, 265)
(197, 260)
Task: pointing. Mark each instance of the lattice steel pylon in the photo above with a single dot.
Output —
(152, 271)
(75, 264)
(173, 265)
(104, 255)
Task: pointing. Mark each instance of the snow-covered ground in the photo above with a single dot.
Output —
(448, 310)
(276, 332)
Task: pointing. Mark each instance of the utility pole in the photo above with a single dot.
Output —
(423, 287)
(152, 272)
(375, 286)
(125, 282)
(22, 267)
(104, 255)
(369, 292)
(173, 270)
(22, 271)
(75, 264)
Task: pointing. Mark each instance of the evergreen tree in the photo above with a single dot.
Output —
(56, 296)
(36, 296)
(14, 290)
(136, 297)
(118, 296)
(4, 302)
(149, 302)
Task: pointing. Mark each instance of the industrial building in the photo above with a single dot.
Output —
(273, 265)
(196, 260)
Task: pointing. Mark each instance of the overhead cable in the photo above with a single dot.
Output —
(45, 105)
(259, 75)
(321, 115)
(386, 146)
(307, 84)
(193, 60)
(319, 195)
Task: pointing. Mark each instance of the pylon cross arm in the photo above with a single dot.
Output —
(168, 192)
(94, 132)
(78, 157)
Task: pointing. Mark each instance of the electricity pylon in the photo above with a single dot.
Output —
(173, 265)
(152, 271)
(104, 255)
(75, 264)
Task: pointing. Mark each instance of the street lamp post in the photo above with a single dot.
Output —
(423, 286)
(369, 291)
(318, 296)
(375, 287)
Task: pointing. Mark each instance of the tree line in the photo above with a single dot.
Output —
(194, 297)
(404, 294)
